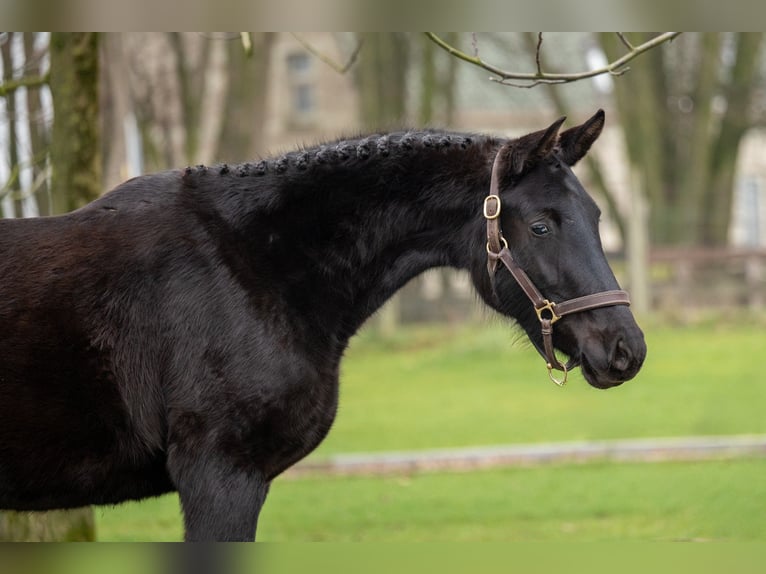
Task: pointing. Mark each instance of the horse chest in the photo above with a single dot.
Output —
(265, 422)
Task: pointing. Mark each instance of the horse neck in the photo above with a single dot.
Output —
(340, 234)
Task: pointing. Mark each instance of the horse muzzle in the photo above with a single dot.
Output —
(611, 364)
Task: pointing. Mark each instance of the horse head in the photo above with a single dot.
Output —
(547, 227)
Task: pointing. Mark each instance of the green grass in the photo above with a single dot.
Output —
(714, 500)
(440, 388)
(471, 385)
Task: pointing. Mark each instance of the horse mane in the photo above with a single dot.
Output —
(394, 146)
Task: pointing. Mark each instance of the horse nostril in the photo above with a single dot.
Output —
(621, 356)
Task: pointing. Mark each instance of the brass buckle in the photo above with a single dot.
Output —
(497, 199)
(547, 306)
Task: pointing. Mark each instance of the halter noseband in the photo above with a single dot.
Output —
(547, 311)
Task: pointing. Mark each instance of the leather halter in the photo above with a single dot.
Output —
(547, 311)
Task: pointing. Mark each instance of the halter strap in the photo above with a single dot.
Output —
(547, 311)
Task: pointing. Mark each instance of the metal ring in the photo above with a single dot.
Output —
(504, 242)
(561, 382)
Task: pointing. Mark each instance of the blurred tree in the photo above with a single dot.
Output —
(75, 142)
(40, 136)
(118, 114)
(381, 75)
(164, 93)
(13, 185)
(438, 73)
(684, 112)
(242, 133)
(212, 101)
(197, 97)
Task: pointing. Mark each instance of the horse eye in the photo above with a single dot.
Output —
(539, 228)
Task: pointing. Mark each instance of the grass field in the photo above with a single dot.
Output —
(479, 385)
(721, 500)
(471, 385)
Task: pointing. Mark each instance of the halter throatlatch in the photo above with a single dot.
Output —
(547, 311)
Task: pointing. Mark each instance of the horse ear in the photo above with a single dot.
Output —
(575, 142)
(525, 152)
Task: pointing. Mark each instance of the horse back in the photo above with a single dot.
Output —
(75, 295)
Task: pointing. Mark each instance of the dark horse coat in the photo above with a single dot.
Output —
(184, 331)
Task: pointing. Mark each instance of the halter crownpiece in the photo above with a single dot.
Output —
(547, 311)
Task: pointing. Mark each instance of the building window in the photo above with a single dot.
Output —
(747, 222)
(303, 99)
(302, 89)
(298, 63)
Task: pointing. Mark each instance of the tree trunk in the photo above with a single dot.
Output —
(637, 248)
(449, 85)
(636, 102)
(75, 146)
(428, 81)
(76, 180)
(213, 102)
(262, 50)
(118, 111)
(692, 182)
(717, 200)
(382, 77)
(10, 109)
(245, 113)
(165, 79)
(39, 133)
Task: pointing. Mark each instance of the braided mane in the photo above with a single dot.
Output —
(342, 151)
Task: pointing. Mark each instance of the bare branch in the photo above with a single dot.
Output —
(527, 80)
(625, 41)
(11, 181)
(340, 68)
(537, 53)
(10, 86)
(525, 86)
(8, 187)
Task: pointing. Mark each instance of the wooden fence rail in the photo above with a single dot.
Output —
(708, 277)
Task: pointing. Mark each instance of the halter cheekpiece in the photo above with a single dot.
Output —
(547, 311)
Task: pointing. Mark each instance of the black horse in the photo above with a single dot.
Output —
(184, 331)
